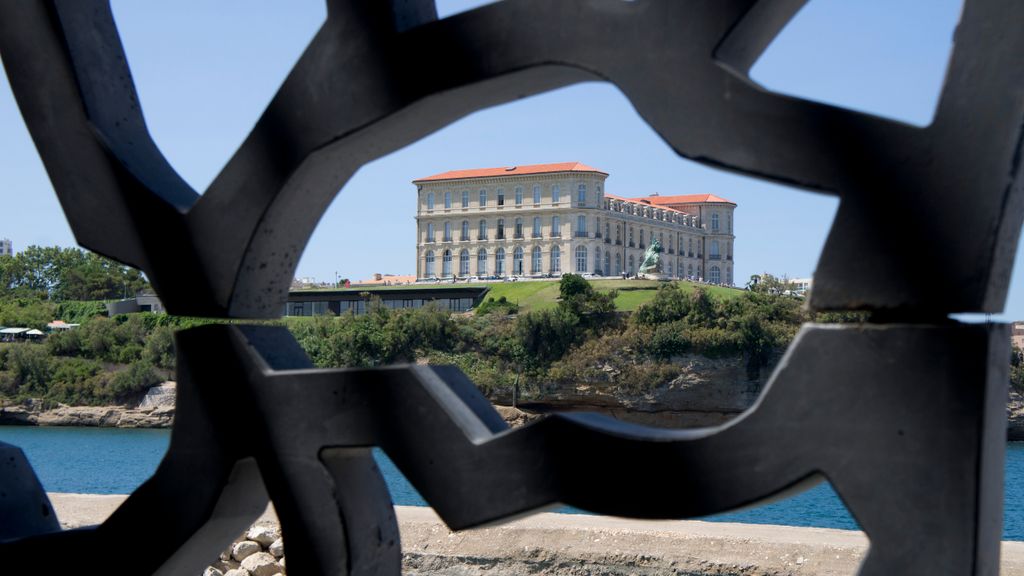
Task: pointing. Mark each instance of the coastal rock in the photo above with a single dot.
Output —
(211, 571)
(1015, 416)
(261, 564)
(263, 535)
(237, 572)
(159, 395)
(244, 549)
(276, 548)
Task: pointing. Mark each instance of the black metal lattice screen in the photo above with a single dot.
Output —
(903, 415)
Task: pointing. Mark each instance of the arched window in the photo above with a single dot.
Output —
(556, 260)
(447, 199)
(430, 232)
(465, 198)
(714, 221)
(481, 233)
(428, 267)
(597, 261)
(519, 195)
(517, 260)
(465, 230)
(536, 194)
(430, 200)
(581, 258)
(556, 226)
(481, 262)
(581, 225)
(554, 194)
(447, 231)
(618, 264)
(536, 226)
(499, 262)
(714, 250)
(716, 275)
(518, 231)
(483, 198)
(464, 262)
(631, 266)
(581, 194)
(446, 263)
(607, 263)
(535, 260)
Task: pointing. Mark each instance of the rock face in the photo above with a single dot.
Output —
(708, 392)
(159, 396)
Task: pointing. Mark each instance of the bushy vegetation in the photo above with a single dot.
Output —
(582, 339)
(1017, 369)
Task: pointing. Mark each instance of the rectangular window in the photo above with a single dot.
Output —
(519, 195)
(556, 226)
(581, 194)
(483, 198)
(465, 198)
(501, 196)
(536, 195)
(430, 200)
(447, 200)
(554, 194)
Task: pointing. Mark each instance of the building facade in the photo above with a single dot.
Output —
(548, 219)
(6, 247)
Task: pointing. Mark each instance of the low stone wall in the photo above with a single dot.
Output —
(570, 544)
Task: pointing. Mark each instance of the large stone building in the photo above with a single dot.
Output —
(548, 219)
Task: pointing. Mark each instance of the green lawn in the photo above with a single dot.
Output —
(632, 293)
(539, 295)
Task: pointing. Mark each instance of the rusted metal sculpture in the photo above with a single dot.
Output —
(923, 478)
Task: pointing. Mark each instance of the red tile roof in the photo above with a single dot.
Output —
(642, 201)
(687, 199)
(511, 171)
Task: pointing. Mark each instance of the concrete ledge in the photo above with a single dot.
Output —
(578, 544)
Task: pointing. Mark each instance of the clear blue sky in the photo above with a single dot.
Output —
(205, 71)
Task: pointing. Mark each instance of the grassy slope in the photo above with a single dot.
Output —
(539, 295)
(632, 293)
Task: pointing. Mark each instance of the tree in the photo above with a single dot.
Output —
(64, 274)
(578, 296)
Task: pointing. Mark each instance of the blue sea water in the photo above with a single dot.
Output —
(114, 461)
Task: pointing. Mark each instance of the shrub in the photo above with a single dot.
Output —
(501, 306)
